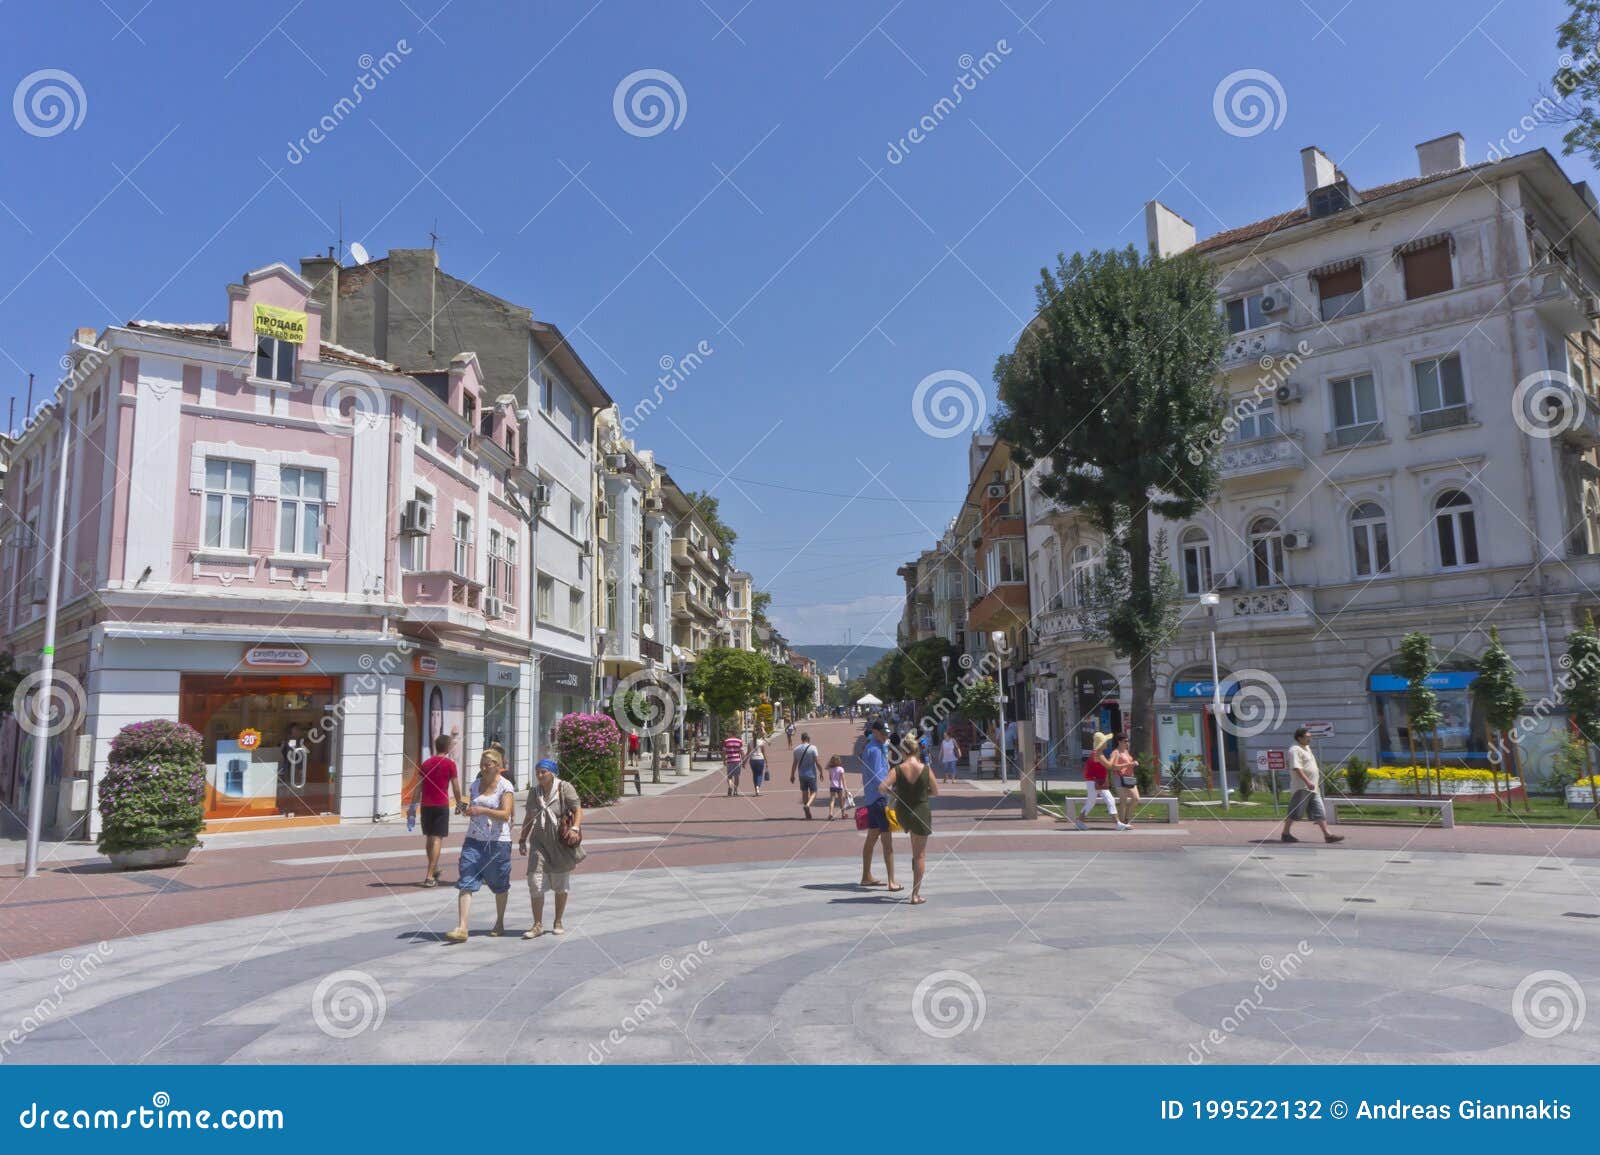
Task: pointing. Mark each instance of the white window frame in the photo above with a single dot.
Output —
(1262, 413)
(545, 587)
(1453, 517)
(275, 349)
(1245, 299)
(294, 507)
(461, 537)
(1266, 546)
(1365, 527)
(227, 498)
(576, 621)
(1197, 541)
(1443, 406)
(1375, 424)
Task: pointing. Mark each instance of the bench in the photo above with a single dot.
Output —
(1161, 800)
(1445, 807)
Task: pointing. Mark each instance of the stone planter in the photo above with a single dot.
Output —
(149, 857)
(1580, 797)
(1466, 791)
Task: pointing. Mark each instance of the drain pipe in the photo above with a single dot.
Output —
(377, 748)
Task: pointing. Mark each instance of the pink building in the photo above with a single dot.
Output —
(318, 561)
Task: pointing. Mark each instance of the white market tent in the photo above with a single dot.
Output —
(869, 700)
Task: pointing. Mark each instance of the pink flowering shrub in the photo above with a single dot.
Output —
(153, 794)
(589, 748)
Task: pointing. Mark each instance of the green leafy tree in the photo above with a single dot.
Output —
(711, 510)
(1114, 386)
(923, 672)
(1581, 693)
(1577, 88)
(10, 679)
(760, 603)
(791, 686)
(730, 680)
(1422, 704)
(886, 677)
(1500, 698)
(979, 702)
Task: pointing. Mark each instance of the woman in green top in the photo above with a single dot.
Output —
(910, 783)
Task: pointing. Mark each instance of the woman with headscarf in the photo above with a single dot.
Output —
(554, 824)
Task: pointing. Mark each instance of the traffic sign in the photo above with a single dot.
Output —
(1319, 729)
(1277, 760)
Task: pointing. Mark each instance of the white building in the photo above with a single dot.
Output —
(1378, 478)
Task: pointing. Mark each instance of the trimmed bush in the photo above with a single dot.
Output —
(152, 795)
(1247, 782)
(1356, 774)
(589, 748)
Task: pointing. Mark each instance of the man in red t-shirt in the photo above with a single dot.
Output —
(438, 780)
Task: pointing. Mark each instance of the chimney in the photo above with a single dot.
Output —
(1442, 154)
(323, 273)
(84, 336)
(1165, 231)
(1317, 168)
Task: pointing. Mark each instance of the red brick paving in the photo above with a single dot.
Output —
(87, 901)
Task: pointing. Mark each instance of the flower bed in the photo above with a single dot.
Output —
(150, 799)
(589, 748)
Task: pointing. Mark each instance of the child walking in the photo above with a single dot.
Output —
(836, 786)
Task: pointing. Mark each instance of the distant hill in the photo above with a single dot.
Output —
(858, 658)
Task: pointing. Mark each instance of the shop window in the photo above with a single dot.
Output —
(1196, 562)
(268, 743)
(1340, 293)
(275, 359)
(1369, 533)
(1462, 733)
(1456, 527)
(227, 503)
(300, 511)
(1427, 269)
(1266, 552)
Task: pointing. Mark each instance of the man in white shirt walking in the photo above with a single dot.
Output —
(1306, 801)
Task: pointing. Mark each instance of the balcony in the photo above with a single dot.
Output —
(1058, 627)
(440, 588)
(1355, 436)
(1276, 607)
(1003, 606)
(1276, 454)
(1560, 296)
(1256, 348)
(680, 552)
(1449, 417)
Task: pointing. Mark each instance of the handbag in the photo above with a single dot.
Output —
(567, 834)
(861, 817)
(894, 820)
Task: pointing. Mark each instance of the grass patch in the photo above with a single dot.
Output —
(1542, 811)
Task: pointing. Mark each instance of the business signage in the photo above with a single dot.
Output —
(249, 739)
(276, 657)
(504, 674)
(1190, 689)
(284, 324)
(425, 664)
(1438, 680)
(570, 681)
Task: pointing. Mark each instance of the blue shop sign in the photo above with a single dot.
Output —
(1187, 689)
(1438, 680)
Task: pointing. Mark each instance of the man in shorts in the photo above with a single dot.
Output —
(804, 770)
(438, 780)
(1306, 802)
(874, 769)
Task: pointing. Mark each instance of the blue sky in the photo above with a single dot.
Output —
(768, 221)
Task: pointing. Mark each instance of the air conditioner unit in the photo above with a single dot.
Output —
(996, 492)
(1274, 301)
(541, 494)
(603, 508)
(493, 607)
(1287, 393)
(617, 461)
(652, 504)
(1227, 581)
(416, 520)
(39, 590)
(1298, 539)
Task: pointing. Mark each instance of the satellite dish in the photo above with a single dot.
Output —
(358, 253)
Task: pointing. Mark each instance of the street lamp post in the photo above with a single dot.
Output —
(998, 637)
(1211, 601)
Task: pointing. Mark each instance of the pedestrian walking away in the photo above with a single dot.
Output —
(486, 850)
(1125, 780)
(1095, 772)
(554, 826)
(758, 763)
(950, 754)
(788, 733)
(1306, 801)
(438, 785)
(836, 790)
(804, 771)
(733, 761)
(874, 770)
(911, 783)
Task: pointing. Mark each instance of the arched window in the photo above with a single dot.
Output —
(1369, 535)
(1266, 552)
(1456, 527)
(1196, 561)
(1053, 568)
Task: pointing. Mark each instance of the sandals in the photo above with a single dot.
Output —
(895, 888)
(558, 929)
(429, 883)
(455, 936)
(916, 900)
(497, 932)
(533, 931)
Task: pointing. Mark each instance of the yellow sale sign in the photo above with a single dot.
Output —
(284, 324)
